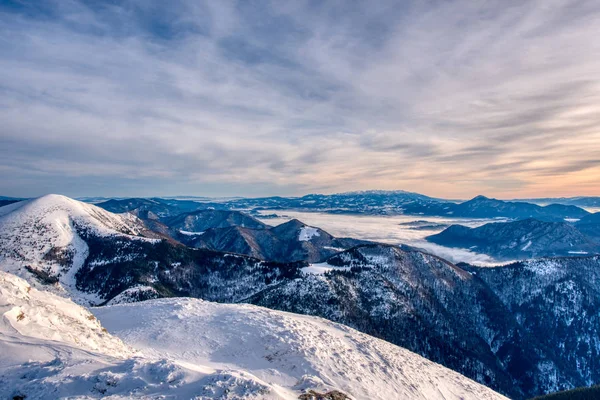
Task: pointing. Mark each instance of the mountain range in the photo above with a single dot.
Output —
(400, 202)
(187, 348)
(523, 330)
(152, 208)
(236, 232)
(202, 220)
(368, 202)
(590, 225)
(288, 242)
(464, 317)
(483, 207)
(527, 238)
(580, 201)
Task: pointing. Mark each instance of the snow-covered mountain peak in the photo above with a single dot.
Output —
(307, 233)
(57, 210)
(47, 235)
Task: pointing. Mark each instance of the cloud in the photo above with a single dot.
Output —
(209, 98)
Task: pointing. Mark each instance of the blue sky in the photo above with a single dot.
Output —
(447, 98)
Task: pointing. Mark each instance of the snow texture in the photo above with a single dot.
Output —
(321, 268)
(45, 234)
(53, 348)
(286, 352)
(307, 233)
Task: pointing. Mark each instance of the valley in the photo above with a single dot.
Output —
(376, 274)
(299, 200)
(397, 229)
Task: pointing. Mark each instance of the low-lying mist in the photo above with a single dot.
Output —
(400, 229)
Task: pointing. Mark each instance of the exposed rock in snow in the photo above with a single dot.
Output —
(133, 294)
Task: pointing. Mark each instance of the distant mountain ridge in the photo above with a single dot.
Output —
(484, 207)
(4, 201)
(201, 220)
(529, 238)
(371, 202)
(486, 323)
(368, 202)
(287, 242)
(579, 201)
(400, 202)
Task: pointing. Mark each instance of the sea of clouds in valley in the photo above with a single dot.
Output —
(387, 229)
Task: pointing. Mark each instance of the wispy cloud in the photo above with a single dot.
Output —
(446, 98)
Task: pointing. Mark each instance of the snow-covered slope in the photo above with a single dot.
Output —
(40, 315)
(527, 238)
(290, 353)
(47, 235)
(52, 348)
(288, 242)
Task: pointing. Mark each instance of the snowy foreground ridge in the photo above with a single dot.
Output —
(187, 348)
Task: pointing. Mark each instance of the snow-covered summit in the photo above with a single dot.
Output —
(55, 208)
(47, 235)
(289, 352)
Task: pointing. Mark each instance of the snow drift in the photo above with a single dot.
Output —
(290, 353)
(53, 348)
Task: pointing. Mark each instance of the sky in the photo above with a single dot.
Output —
(255, 98)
